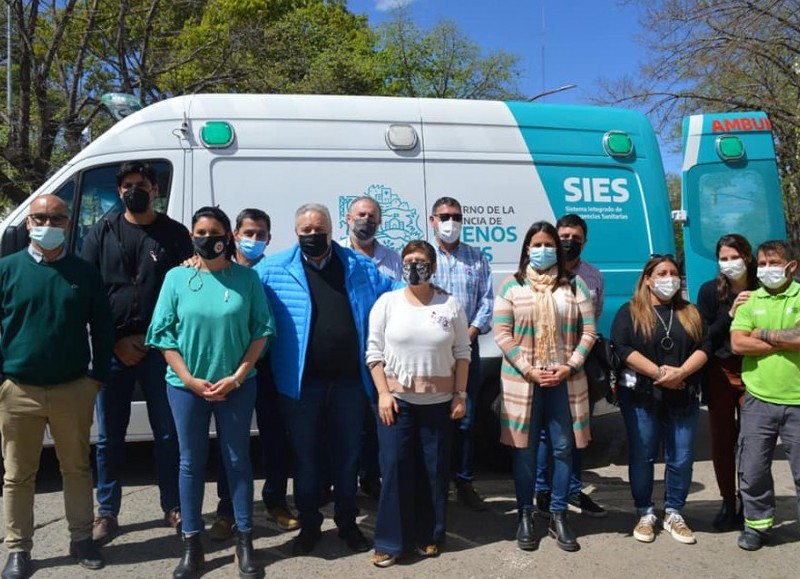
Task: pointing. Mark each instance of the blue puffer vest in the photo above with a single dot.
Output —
(286, 287)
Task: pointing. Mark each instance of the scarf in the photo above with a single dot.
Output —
(544, 316)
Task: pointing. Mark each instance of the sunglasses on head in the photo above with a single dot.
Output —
(458, 217)
(56, 219)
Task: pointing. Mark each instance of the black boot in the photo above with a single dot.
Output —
(246, 557)
(726, 519)
(560, 531)
(526, 538)
(192, 560)
(87, 553)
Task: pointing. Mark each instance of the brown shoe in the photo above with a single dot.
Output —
(284, 518)
(431, 550)
(222, 529)
(105, 529)
(173, 519)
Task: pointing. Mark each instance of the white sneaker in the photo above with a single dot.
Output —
(645, 529)
(677, 527)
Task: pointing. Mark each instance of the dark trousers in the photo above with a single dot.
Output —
(762, 423)
(113, 409)
(274, 450)
(415, 459)
(370, 469)
(464, 440)
(327, 419)
(726, 396)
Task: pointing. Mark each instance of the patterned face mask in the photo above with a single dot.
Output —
(416, 273)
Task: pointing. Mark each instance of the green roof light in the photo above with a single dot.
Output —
(217, 134)
(730, 147)
(618, 144)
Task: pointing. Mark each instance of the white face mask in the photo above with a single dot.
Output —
(733, 269)
(666, 287)
(449, 231)
(772, 276)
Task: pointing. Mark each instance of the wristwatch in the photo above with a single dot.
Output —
(461, 394)
(236, 382)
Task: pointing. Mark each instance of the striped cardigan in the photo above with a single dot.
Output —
(515, 335)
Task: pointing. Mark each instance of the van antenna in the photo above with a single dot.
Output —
(183, 132)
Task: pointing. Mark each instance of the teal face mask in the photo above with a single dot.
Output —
(542, 258)
(252, 249)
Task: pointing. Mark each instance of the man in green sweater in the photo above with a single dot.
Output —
(49, 300)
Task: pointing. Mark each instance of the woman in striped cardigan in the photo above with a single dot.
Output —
(544, 324)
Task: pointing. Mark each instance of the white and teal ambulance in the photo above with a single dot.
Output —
(508, 163)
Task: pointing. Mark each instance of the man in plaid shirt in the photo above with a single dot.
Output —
(464, 271)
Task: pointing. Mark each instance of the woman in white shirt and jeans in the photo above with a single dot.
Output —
(418, 352)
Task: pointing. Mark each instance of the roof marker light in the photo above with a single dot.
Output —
(618, 144)
(217, 134)
(729, 147)
(401, 137)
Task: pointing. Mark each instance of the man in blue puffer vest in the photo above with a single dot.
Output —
(321, 295)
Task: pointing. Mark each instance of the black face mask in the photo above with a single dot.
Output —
(364, 229)
(416, 273)
(313, 245)
(571, 249)
(211, 246)
(136, 199)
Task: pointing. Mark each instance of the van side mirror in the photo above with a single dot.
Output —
(15, 238)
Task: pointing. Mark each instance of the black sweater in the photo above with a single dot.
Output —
(133, 261)
(628, 340)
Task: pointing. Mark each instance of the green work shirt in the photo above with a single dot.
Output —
(211, 318)
(774, 377)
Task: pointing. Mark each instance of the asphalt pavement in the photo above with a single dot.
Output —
(478, 544)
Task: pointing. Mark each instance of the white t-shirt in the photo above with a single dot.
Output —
(418, 345)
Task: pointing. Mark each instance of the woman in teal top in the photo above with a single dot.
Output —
(212, 323)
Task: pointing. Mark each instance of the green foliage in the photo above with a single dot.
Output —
(443, 63)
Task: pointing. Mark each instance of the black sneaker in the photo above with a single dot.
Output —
(751, 539)
(467, 496)
(583, 504)
(305, 542)
(354, 538)
(543, 503)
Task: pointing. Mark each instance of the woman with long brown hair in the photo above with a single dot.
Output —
(717, 301)
(544, 325)
(660, 339)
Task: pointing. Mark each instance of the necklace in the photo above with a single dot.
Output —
(667, 342)
(196, 286)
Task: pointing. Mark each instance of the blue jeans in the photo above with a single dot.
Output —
(274, 449)
(415, 462)
(192, 418)
(464, 440)
(544, 464)
(647, 430)
(550, 411)
(113, 409)
(325, 422)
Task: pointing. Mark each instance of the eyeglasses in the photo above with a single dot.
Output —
(662, 256)
(56, 219)
(458, 217)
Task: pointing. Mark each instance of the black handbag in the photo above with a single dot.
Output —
(601, 367)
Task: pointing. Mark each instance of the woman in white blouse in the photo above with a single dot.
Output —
(418, 352)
